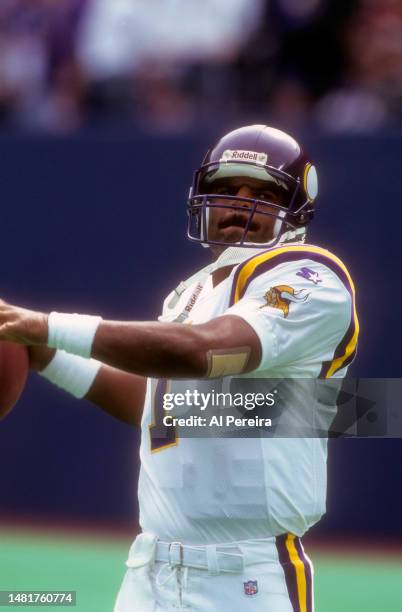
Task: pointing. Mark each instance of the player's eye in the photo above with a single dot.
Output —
(268, 196)
(222, 191)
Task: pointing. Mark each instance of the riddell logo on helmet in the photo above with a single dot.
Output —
(252, 156)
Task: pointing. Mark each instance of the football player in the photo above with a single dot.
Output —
(222, 518)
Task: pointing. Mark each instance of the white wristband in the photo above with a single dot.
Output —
(72, 373)
(73, 333)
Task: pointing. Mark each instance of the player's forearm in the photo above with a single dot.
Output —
(162, 350)
(223, 346)
(173, 350)
(119, 394)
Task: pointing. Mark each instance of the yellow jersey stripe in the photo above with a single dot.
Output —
(273, 257)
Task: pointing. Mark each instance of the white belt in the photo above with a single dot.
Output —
(209, 557)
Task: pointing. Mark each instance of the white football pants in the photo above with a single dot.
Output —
(270, 575)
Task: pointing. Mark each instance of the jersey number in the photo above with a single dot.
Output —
(162, 436)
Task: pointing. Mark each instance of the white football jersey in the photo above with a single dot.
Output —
(299, 299)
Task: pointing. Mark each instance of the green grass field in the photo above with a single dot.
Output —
(93, 567)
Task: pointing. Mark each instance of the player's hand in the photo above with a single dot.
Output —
(40, 356)
(22, 326)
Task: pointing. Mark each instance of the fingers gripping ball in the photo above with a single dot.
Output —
(14, 365)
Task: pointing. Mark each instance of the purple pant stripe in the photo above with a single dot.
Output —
(308, 573)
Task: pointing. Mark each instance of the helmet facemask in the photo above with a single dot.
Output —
(214, 205)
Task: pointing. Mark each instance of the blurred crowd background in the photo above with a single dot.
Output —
(175, 65)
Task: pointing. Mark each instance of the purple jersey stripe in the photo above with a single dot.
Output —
(289, 571)
(306, 253)
(327, 364)
(285, 257)
(341, 348)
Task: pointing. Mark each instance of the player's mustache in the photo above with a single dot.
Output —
(238, 219)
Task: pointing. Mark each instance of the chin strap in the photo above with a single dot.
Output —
(298, 235)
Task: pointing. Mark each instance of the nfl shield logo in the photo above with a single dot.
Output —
(250, 587)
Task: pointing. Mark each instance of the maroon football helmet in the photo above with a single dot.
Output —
(272, 162)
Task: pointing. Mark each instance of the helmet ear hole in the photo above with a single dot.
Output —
(310, 182)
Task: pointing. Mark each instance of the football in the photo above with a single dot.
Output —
(14, 366)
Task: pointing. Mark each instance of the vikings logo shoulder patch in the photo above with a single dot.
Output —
(282, 296)
(250, 587)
